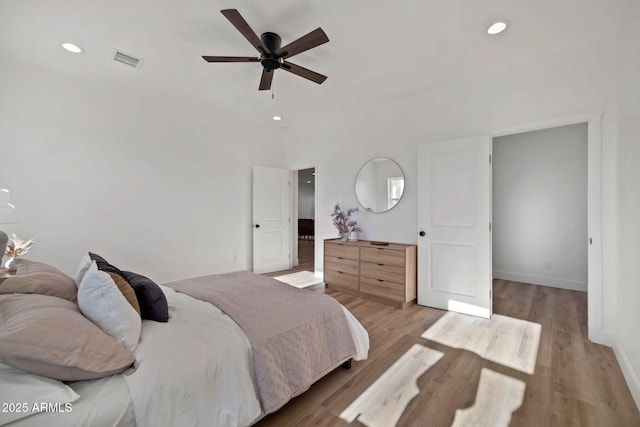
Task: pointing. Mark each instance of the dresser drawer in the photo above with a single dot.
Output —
(339, 250)
(383, 256)
(345, 280)
(382, 288)
(384, 272)
(351, 266)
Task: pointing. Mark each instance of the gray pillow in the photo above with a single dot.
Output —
(38, 278)
(26, 266)
(48, 336)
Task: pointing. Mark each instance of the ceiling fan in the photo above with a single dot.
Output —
(272, 56)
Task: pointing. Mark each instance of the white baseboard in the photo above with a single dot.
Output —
(572, 285)
(630, 375)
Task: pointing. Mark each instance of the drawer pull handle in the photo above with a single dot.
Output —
(340, 257)
(381, 264)
(339, 271)
(380, 280)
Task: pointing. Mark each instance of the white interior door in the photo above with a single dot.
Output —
(271, 243)
(454, 212)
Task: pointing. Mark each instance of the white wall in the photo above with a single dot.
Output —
(150, 182)
(540, 207)
(627, 343)
(507, 94)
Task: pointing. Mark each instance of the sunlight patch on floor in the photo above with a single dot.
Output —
(300, 279)
(383, 403)
(497, 397)
(501, 339)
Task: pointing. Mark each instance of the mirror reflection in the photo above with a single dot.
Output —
(379, 184)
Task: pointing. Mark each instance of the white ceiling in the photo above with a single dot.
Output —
(379, 52)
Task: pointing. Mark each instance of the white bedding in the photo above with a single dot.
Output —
(216, 352)
(194, 370)
(104, 402)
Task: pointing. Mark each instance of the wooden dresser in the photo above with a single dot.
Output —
(384, 273)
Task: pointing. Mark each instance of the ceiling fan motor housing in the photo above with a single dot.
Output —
(269, 60)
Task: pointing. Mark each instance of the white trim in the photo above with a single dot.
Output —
(593, 118)
(632, 378)
(555, 282)
(549, 123)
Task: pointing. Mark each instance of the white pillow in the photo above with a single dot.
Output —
(85, 263)
(24, 390)
(101, 301)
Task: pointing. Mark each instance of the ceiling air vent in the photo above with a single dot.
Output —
(127, 59)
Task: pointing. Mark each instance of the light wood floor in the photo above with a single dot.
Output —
(530, 365)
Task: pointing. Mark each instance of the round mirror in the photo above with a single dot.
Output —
(379, 184)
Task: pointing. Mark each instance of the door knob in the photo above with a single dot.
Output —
(257, 225)
(422, 234)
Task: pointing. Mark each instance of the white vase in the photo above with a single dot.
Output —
(10, 264)
(353, 236)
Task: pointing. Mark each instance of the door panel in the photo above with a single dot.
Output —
(271, 243)
(454, 210)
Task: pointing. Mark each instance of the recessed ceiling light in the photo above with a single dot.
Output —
(277, 118)
(308, 182)
(72, 47)
(497, 27)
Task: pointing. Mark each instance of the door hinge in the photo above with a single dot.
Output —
(489, 226)
(489, 158)
(489, 293)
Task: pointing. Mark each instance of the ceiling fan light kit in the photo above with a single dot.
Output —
(272, 55)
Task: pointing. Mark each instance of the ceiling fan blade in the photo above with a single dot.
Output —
(304, 43)
(303, 72)
(230, 59)
(241, 25)
(265, 81)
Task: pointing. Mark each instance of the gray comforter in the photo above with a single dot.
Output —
(297, 336)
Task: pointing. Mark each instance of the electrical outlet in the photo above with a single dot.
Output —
(548, 265)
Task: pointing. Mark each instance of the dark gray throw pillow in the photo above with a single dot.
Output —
(153, 303)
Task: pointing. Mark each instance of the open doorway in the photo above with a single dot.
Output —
(304, 203)
(303, 237)
(306, 219)
(594, 239)
(540, 207)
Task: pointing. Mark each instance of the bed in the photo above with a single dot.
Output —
(201, 367)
